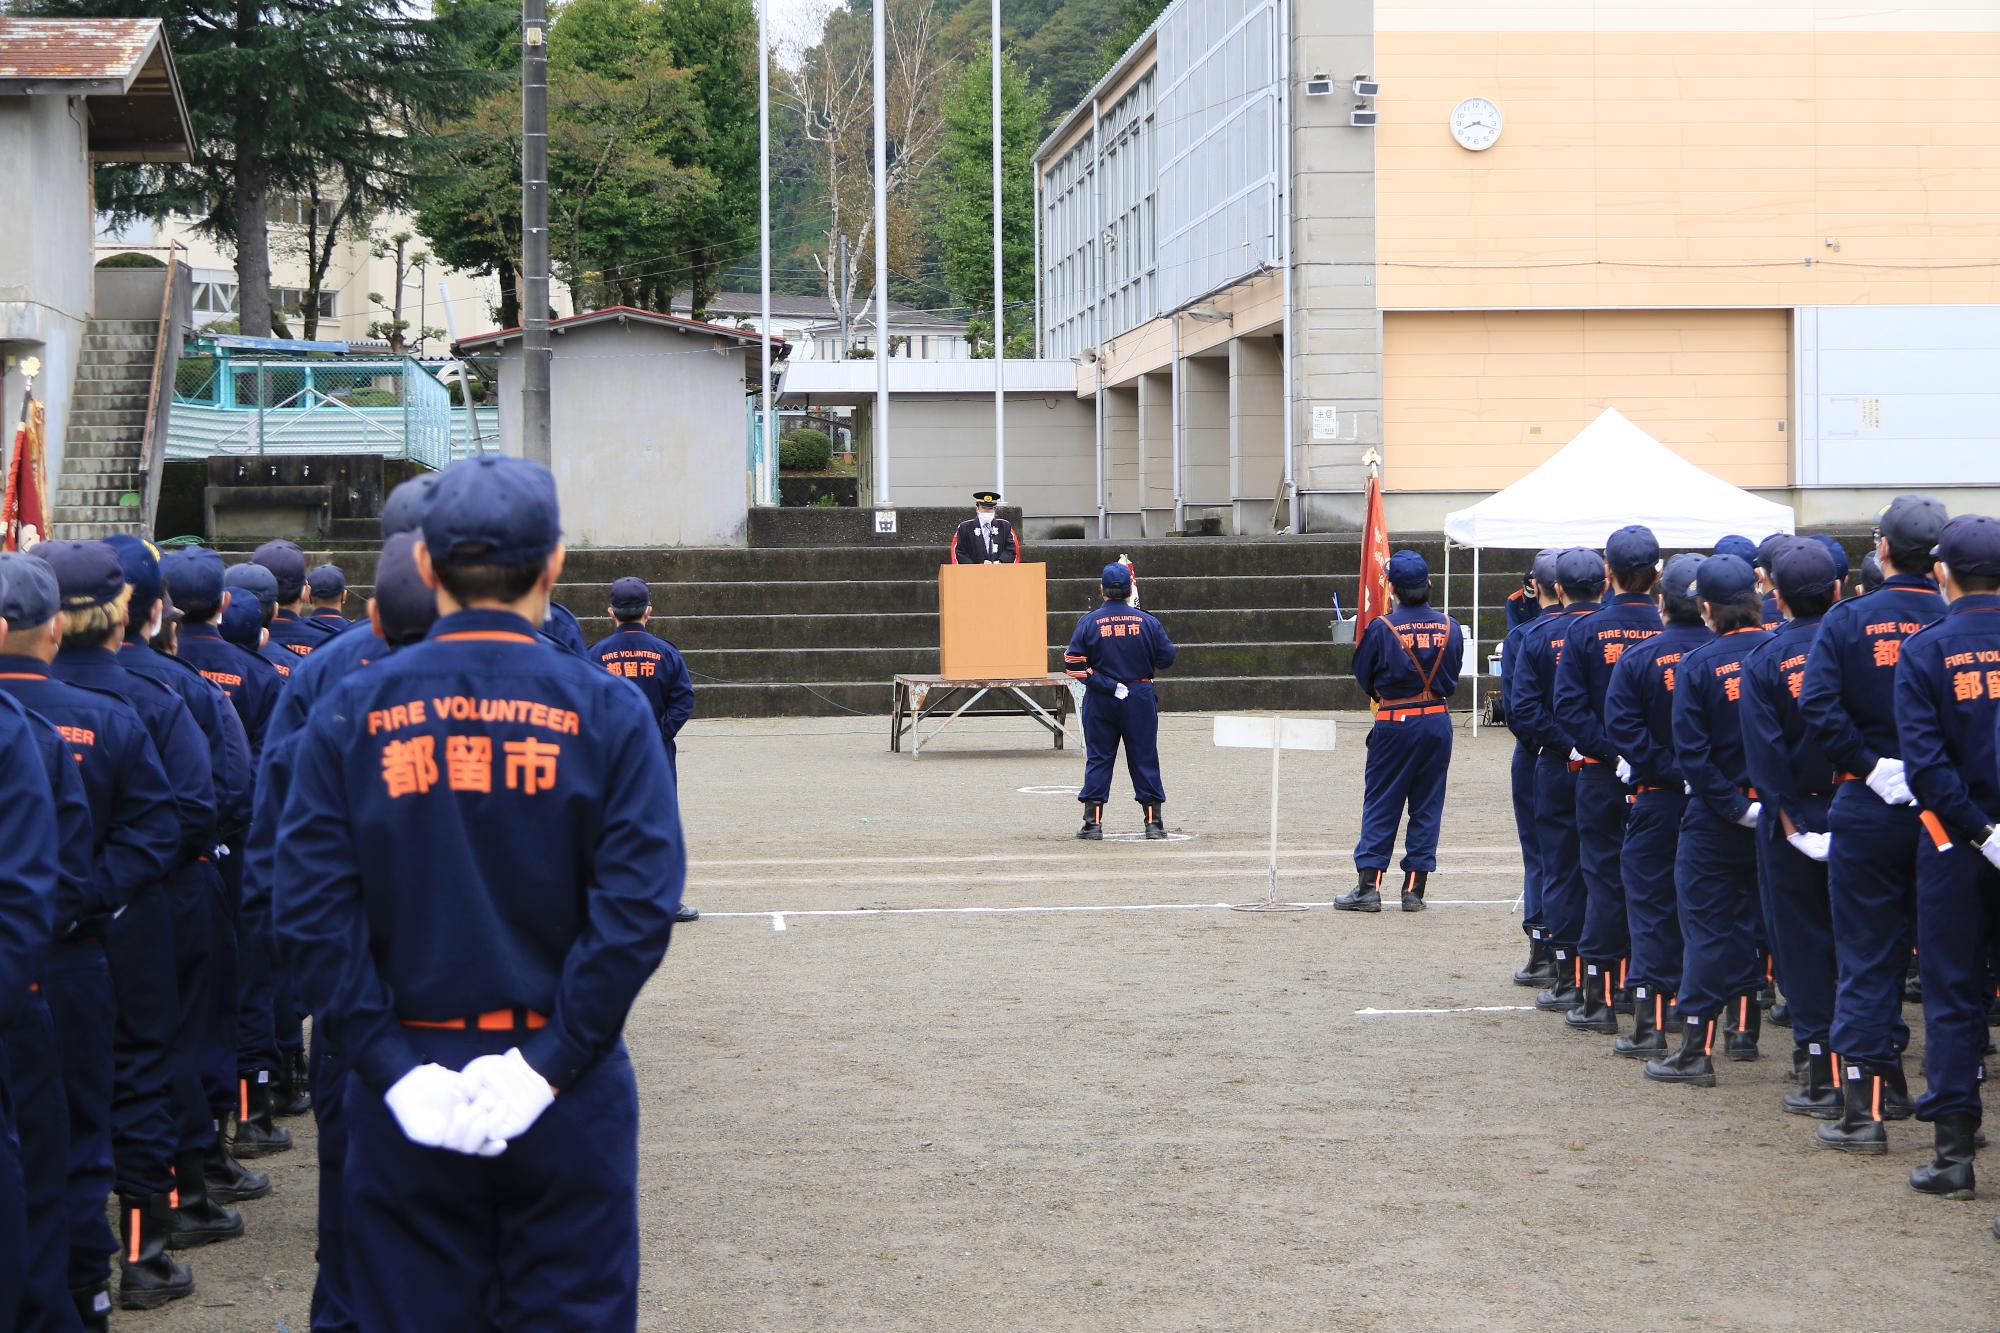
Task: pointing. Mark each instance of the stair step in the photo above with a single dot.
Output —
(151, 326)
(68, 500)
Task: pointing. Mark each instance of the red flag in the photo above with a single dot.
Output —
(1374, 598)
(24, 517)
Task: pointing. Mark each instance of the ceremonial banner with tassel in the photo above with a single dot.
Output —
(24, 517)
(1374, 598)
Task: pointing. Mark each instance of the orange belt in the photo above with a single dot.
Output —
(1839, 778)
(494, 1020)
(1642, 789)
(1400, 714)
(1576, 765)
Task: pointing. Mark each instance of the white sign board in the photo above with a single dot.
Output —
(1326, 423)
(1261, 733)
(885, 523)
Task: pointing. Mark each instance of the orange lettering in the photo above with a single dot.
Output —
(531, 765)
(468, 763)
(410, 766)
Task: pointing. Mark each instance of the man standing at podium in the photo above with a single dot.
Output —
(1115, 652)
(985, 538)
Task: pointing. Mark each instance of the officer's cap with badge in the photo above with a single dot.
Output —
(1580, 569)
(29, 595)
(88, 573)
(630, 594)
(327, 582)
(1801, 567)
(255, 580)
(403, 511)
(494, 510)
(985, 499)
(1912, 522)
(1723, 578)
(1631, 549)
(194, 575)
(141, 561)
(287, 564)
(243, 624)
(1970, 544)
(1407, 569)
(1741, 547)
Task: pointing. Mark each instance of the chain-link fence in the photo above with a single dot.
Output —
(388, 406)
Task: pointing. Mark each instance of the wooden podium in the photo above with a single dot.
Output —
(993, 621)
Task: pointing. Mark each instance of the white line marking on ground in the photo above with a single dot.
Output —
(777, 918)
(1045, 791)
(778, 922)
(1472, 1009)
(1134, 875)
(1258, 854)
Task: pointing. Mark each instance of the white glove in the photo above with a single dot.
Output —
(1575, 755)
(1886, 780)
(1990, 849)
(1748, 819)
(1121, 692)
(1624, 770)
(467, 1132)
(424, 1102)
(512, 1095)
(1813, 845)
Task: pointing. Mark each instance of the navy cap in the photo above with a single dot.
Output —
(1912, 521)
(169, 613)
(28, 592)
(1580, 568)
(140, 560)
(403, 511)
(88, 573)
(986, 497)
(1407, 569)
(327, 581)
(1117, 575)
(1767, 548)
(1836, 550)
(1741, 547)
(287, 564)
(407, 606)
(1724, 578)
(194, 575)
(494, 510)
(1801, 565)
(1632, 549)
(256, 580)
(1970, 544)
(1677, 583)
(1545, 568)
(630, 594)
(1871, 573)
(243, 623)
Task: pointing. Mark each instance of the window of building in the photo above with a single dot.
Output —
(293, 210)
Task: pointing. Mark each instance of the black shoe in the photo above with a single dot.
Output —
(195, 1219)
(1366, 897)
(93, 1307)
(1561, 996)
(1739, 1036)
(149, 1277)
(1818, 1093)
(1781, 1015)
(1692, 1063)
(1093, 824)
(254, 1133)
(229, 1181)
(290, 1091)
(1896, 1103)
(1913, 988)
(1648, 1040)
(684, 914)
(1859, 1128)
(1414, 883)
(1541, 968)
(1949, 1175)
(1156, 827)
(1593, 1009)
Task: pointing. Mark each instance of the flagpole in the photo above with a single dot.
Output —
(999, 303)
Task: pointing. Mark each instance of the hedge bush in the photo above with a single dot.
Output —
(805, 450)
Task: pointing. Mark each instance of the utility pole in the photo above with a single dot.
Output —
(535, 442)
(999, 287)
(767, 459)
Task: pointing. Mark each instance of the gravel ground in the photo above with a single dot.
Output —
(1172, 1118)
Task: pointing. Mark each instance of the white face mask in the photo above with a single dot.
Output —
(985, 517)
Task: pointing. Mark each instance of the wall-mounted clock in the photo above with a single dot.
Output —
(1475, 123)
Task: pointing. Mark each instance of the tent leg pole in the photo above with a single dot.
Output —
(1472, 641)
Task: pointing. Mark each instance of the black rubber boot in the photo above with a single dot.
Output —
(1692, 1063)
(1781, 1015)
(229, 1181)
(1541, 970)
(1592, 1011)
(684, 914)
(255, 1134)
(1093, 823)
(1561, 995)
(1156, 825)
(1818, 1093)
(1649, 1039)
(1366, 895)
(1896, 1103)
(1414, 882)
(1949, 1175)
(1739, 1039)
(1622, 1001)
(1859, 1128)
(290, 1094)
(149, 1277)
(93, 1307)
(196, 1219)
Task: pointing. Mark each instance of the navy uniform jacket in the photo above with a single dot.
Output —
(1592, 647)
(1534, 693)
(1947, 704)
(655, 666)
(228, 743)
(1522, 607)
(1787, 762)
(297, 635)
(281, 661)
(1849, 693)
(330, 620)
(1708, 722)
(74, 896)
(562, 630)
(1117, 645)
(1772, 615)
(182, 752)
(133, 833)
(1510, 660)
(29, 863)
(476, 824)
(1639, 704)
(1382, 662)
(249, 681)
(969, 548)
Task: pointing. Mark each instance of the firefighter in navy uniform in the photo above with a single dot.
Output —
(1947, 708)
(1593, 646)
(253, 583)
(1116, 651)
(985, 538)
(634, 654)
(1639, 726)
(1408, 663)
(478, 864)
(326, 592)
(291, 631)
(1849, 704)
(1540, 968)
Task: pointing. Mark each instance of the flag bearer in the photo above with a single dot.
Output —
(1408, 663)
(477, 870)
(1115, 651)
(1848, 701)
(1594, 645)
(1540, 969)
(1715, 865)
(1639, 725)
(1947, 706)
(1794, 780)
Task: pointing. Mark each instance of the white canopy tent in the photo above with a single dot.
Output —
(1612, 474)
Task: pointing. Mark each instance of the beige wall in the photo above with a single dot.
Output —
(1694, 168)
(1476, 400)
(943, 451)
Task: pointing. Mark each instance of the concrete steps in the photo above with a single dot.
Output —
(104, 441)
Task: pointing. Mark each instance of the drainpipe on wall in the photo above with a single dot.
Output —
(1097, 301)
(1179, 522)
(1285, 251)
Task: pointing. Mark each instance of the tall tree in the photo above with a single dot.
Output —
(716, 42)
(961, 218)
